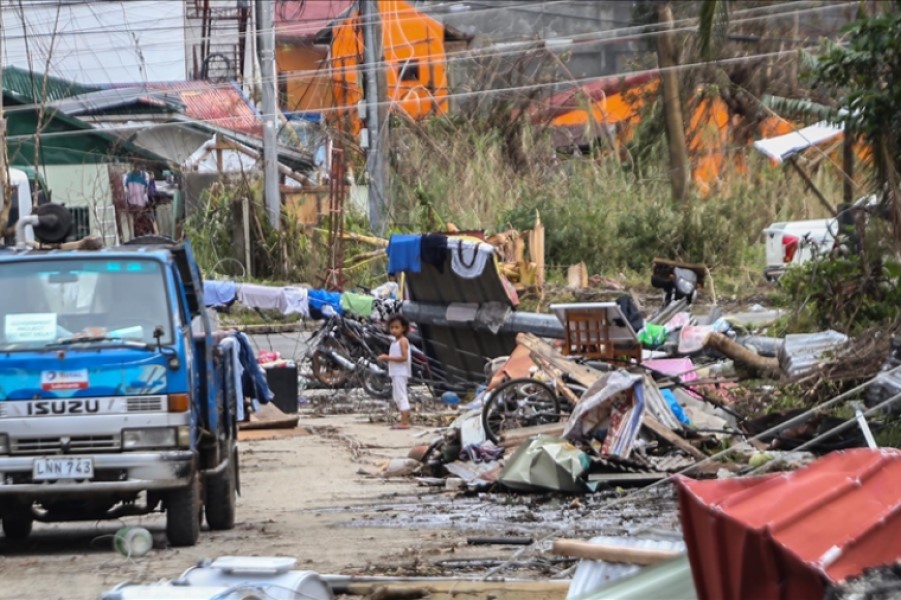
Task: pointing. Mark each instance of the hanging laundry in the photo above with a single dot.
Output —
(219, 293)
(261, 297)
(253, 377)
(468, 259)
(232, 350)
(296, 301)
(324, 304)
(357, 304)
(434, 250)
(136, 188)
(404, 253)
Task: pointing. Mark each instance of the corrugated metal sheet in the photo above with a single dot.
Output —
(787, 535)
(594, 575)
(29, 87)
(670, 580)
(104, 100)
(222, 105)
(463, 351)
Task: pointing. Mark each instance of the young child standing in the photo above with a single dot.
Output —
(399, 367)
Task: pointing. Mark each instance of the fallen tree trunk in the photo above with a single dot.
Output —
(768, 367)
(608, 553)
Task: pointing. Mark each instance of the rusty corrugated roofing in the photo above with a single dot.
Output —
(219, 104)
(789, 535)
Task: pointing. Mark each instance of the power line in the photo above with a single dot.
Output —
(518, 48)
(471, 94)
(630, 32)
(283, 29)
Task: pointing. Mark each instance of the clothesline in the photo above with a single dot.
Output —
(309, 303)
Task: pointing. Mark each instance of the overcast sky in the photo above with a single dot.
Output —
(98, 42)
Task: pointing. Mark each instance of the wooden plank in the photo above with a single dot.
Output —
(651, 422)
(610, 553)
(626, 477)
(515, 437)
(465, 590)
(561, 386)
(585, 376)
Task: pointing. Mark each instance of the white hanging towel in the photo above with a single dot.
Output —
(468, 259)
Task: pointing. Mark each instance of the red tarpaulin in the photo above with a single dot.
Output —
(787, 536)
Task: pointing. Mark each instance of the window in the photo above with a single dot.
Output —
(410, 71)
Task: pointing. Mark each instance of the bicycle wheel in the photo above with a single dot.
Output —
(519, 403)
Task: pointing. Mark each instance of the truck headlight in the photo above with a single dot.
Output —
(156, 437)
(4, 443)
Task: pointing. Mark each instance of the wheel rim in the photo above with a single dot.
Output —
(521, 404)
(325, 369)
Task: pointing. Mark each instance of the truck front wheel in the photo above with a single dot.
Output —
(17, 526)
(221, 492)
(183, 510)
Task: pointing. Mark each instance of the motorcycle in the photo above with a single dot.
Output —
(345, 352)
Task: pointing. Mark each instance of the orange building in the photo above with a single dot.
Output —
(610, 108)
(324, 73)
(305, 84)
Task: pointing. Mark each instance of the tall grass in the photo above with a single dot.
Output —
(594, 209)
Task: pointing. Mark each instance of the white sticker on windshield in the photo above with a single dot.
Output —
(30, 327)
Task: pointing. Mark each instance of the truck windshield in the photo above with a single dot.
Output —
(95, 300)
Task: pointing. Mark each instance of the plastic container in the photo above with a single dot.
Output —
(272, 574)
(133, 541)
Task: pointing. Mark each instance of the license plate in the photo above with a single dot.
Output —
(45, 469)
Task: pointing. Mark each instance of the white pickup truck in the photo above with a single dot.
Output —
(796, 242)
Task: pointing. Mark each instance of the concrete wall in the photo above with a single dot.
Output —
(503, 23)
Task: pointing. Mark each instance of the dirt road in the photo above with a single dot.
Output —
(302, 496)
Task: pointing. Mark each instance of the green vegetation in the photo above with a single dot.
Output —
(288, 255)
(615, 218)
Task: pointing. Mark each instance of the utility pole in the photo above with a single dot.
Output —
(265, 27)
(376, 112)
(4, 159)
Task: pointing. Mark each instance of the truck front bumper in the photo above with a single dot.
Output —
(120, 472)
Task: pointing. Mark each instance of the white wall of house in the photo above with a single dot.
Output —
(87, 186)
(103, 41)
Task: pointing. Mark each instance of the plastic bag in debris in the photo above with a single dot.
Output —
(546, 463)
(675, 406)
(652, 336)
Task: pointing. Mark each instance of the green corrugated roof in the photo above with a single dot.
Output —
(28, 86)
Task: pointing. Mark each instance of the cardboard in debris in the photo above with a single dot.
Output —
(546, 463)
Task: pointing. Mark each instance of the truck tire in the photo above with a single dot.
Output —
(17, 527)
(183, 513)
(221, 497)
